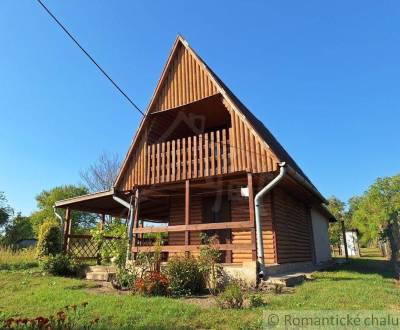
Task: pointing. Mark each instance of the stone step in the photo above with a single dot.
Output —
(100, 276)
(100, 268)
(286, 280)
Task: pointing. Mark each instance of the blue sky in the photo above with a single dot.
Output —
(322, 75)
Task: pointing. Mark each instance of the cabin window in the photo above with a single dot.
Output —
(216, 209)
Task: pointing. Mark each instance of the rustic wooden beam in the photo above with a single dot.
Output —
(197, 227)
(252, 216)
(181, 248)
(187, 214)
(68, 229)
(102, 221)
(136, 216)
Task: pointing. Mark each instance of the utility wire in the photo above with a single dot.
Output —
(90, 57)
(109, 78)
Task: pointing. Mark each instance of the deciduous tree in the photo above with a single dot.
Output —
(46, 200)
(377, 215)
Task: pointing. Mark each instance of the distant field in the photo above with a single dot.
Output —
(360, 284)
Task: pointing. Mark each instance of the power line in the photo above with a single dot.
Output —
(90, 57)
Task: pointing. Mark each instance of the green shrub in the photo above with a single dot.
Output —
(209, 263)
(49, 239)
(232, 297)
(256, 300)
(124, 280)
(185, 276)
(61, 265)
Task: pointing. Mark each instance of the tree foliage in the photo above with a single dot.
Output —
(337, 208)
(6, 211)
(377, 214)
(46, 200)
(19, 228)
(101, 175)
(49, 239)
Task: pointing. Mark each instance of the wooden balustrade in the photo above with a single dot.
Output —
(189, 158)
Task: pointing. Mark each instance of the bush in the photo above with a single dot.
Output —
(61, 265)
(232, 297)
(124, 280)
(255, 300)
(152, 284)
(209, 263)
(49, 239)
(185, 276)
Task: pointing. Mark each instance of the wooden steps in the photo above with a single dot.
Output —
(100, 273)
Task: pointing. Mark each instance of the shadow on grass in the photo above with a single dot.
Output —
(366, 266)
(82, 286)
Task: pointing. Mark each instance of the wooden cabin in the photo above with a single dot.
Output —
(195, 165)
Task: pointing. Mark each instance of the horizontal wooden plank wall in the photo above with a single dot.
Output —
(248, 150)
(240, 212)
(292, 229)
(186, 81)
(268, 230)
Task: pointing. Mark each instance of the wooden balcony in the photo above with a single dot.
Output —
(192, 157)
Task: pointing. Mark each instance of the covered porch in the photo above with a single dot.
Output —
(178, 211)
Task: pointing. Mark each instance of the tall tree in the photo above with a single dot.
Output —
(377, 215)
(20, 227)
(46, 200)
(101, 175)
(337, 208)
(6, 211)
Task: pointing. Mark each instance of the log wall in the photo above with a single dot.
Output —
(293, 237)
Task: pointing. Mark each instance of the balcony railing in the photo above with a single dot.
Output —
(191, 157)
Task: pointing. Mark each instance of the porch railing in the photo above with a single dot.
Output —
(191, 157)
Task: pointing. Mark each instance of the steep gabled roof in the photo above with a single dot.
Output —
(168, 94)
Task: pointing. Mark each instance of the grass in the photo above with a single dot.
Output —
(17, 259)
(361, 284)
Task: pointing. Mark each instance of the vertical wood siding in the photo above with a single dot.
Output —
(185, 82)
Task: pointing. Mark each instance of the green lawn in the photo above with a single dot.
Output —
(361, 284)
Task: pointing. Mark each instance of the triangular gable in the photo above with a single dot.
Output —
(185, 79)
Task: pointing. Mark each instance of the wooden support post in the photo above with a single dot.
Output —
(67, 229)
(344, 240)
(136, 217)
(252, 217)
(103, 221)
(187, 214)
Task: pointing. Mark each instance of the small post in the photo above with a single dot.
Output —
(344, 240)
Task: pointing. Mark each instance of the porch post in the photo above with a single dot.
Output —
(103, 220)
(135, 218)
(67, 229)
(251, 216)
(187, 215)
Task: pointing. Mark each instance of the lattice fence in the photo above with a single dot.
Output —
(83, 247)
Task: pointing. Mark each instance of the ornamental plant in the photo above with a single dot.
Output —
(185, 276)
(49, 239)
(152, 284)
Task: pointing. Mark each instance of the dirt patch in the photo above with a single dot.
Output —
(205, 301)
(105, 288)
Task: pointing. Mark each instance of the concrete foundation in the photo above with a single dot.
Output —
(247, 271)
